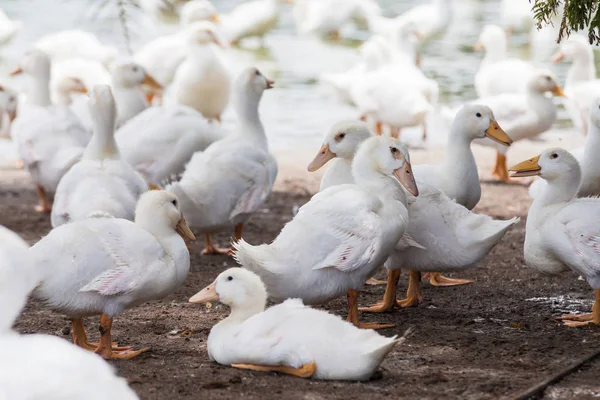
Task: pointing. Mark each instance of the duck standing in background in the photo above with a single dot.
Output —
(101, 181)
(226, 184)
(50, 138)
(202, 81)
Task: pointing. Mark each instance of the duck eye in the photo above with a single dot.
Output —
(393, 150)
(342, 135)
(548, 78)
(230, 278)
(478, 115)
(135, 69)
(174, 202)
(553, 156)
(257, 73)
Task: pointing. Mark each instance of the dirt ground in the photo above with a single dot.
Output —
(492, 339)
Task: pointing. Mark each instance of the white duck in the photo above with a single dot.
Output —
(497, 73)
(254, 18)
(101, 181)
(43, 366)
(326, 17)
(68, 87)
(562, 230)
(276, 339)
(127, 81)
(589, 162)
(160, 141)
(223, 186)
(523, 115)
(76, 44)
(202, 81)
(89, 72)
(581, 86)
(104, 265)
(162, 56)
(8, 28)
(456, 176)
(442, 235)
(347, 232)
(49, 137)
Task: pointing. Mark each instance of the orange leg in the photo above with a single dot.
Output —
(105, 348)
(44, 206)
(212, 249)
(305, 371)
(575, 320)
(395, 132)
(80, 337)
(389, 298)
(19, 164)
(437, 279)
(413, 293)
(353, 313)
(378, 128)
(500, 171)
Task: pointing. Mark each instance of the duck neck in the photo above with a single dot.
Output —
(246, 107)
(63, 98)
(591, 161)
(459, 163)
(559, 190)
(39, 93)
(130, 101)
(250, 307)
(582, 69)
(365, 174)
(102, 146)
(495, 53)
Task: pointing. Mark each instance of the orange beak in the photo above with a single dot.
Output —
(151, 82)
(16, 71)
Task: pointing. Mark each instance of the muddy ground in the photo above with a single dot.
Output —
(482, 341)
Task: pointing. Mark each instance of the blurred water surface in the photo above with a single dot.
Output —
(299, 112)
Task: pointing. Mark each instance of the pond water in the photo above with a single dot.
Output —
(300, 111)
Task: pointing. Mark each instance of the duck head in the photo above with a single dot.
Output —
(552, 164)
(342, 141)
(35, 62)
(385, 156)
(69, 85)
(492, 37)
(132, 75)
(159, 212)
(202, 33)
(237, 288)
(478, 122)
(198, 10)
(543, 81)
(573, 48)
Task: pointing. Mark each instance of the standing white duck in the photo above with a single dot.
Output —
(562, 230)
(589, 161)
(74, 43)
(441, 234)
(457, 174)
(49, 137)
(104, 265)
(581, 86)
(202, 81)
(8, 28)
(162, 10)
(344, 233)
(523, 115)
(101, 181)
(160, 141)
(325, 17)
(43, 366)
(162, 56)
(224, 185)
(497, 73)
(276, 339)
(516, 16)
(253, 18)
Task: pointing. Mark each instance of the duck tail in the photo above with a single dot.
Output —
(253, 259)
(381, 351)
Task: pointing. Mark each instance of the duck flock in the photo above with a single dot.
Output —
(131, 160)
